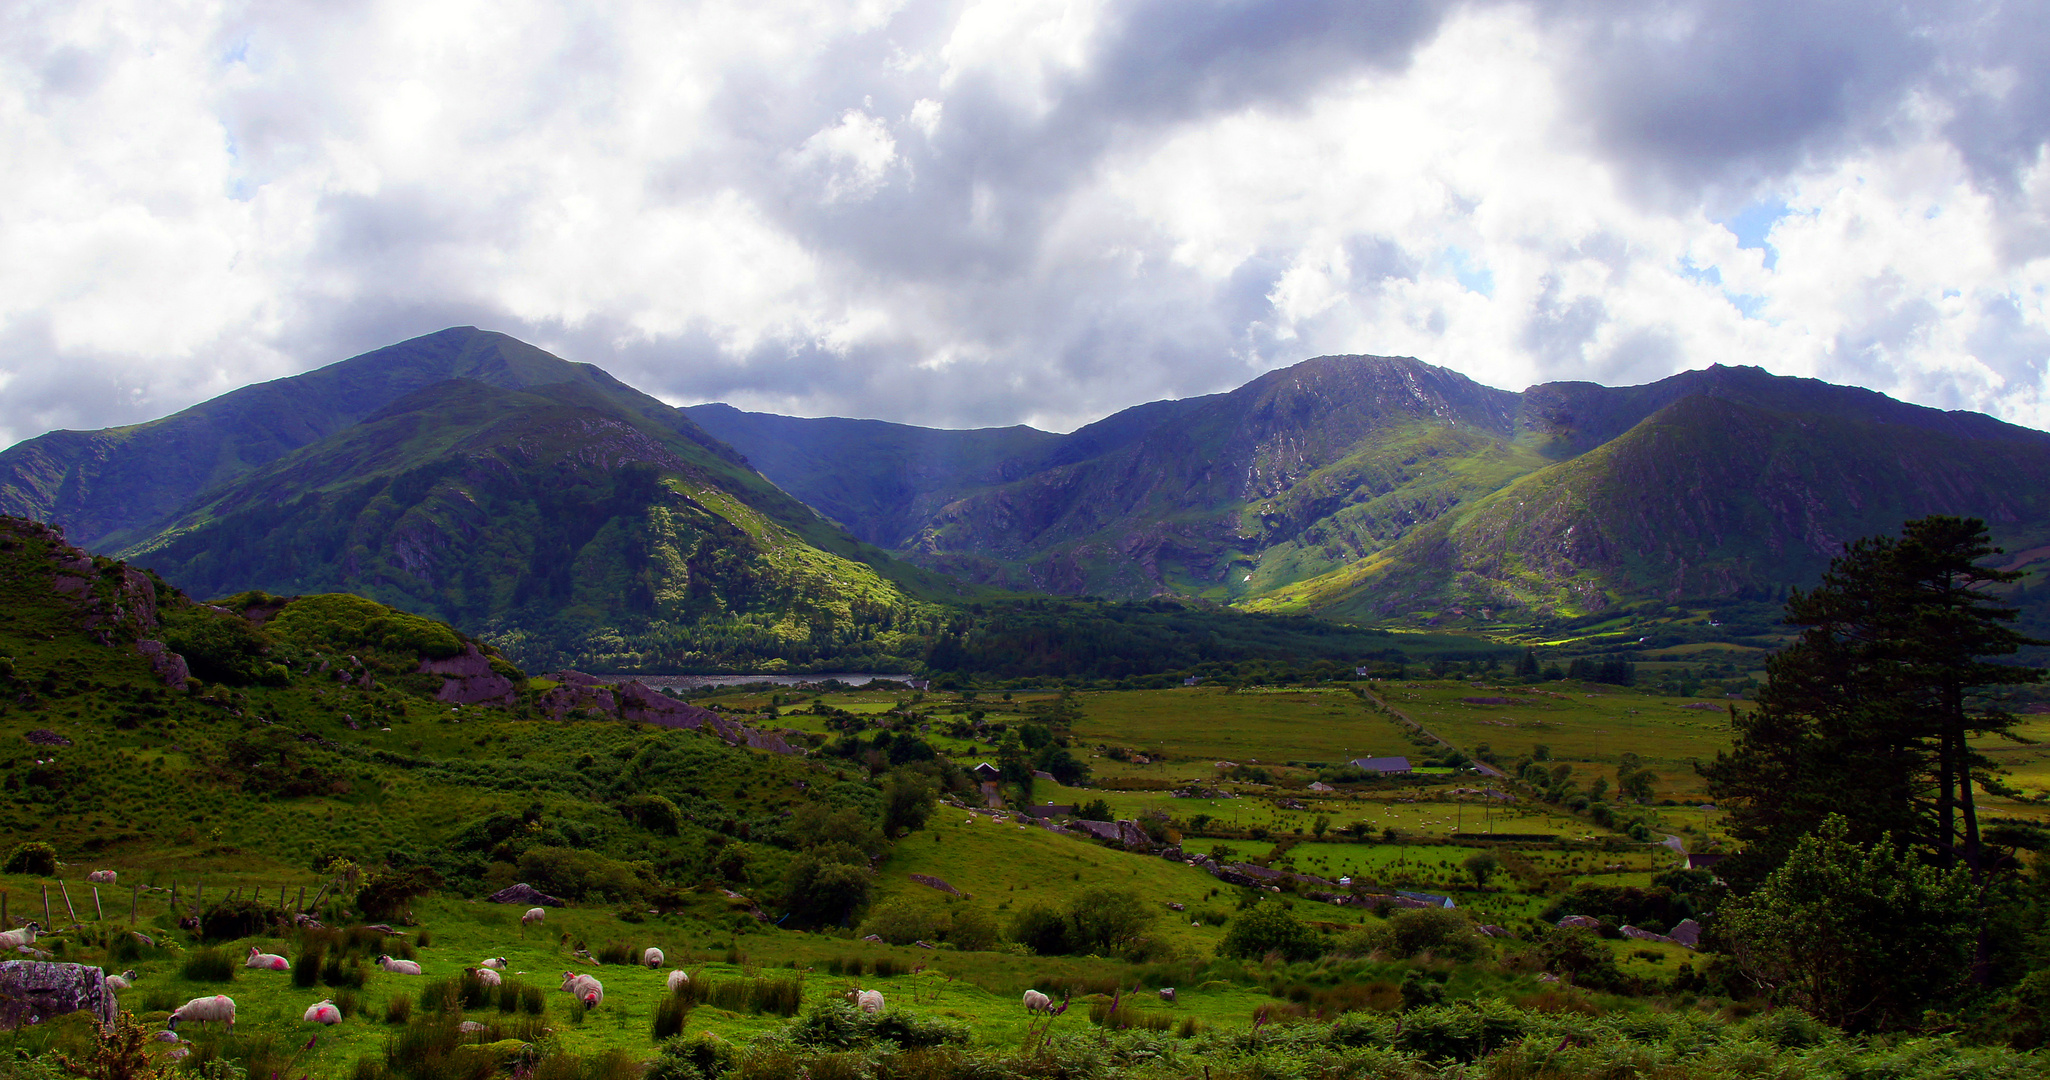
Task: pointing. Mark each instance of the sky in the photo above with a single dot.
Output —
(991, 212)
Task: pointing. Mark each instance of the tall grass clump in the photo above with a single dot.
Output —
(671, 1014)
(616, 952)
(779, 995)
(306, 969)
(208, 964)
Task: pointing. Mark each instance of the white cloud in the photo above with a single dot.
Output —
(984, 212)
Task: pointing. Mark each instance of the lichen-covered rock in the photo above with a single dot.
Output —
(32, 992)
(1580, 922)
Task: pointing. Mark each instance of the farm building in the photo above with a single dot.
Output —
(1702, 860)
(1386, 766)
(987, 773)
(1048, 810)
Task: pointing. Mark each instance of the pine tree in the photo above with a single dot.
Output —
(1870, 708)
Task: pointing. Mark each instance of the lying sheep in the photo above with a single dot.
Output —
(485, 975)
(496, 963)
(652, 957)
(584, 988)
(122, 981)
(101, 877)
(398, 967)
(534, 915)
(206, 1010)
(266, 961)
(15, 939)
(1038, 1002)
(678, 979)
(868, 1001)
(323, 1012)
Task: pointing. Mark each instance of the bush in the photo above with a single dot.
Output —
(704, 1056)
(583, 875)
(974, 928)
(1041, 929)
(900, 922)
(399, 1010)
(1266, 928)
(653, 813)
(820, 891)
(306, 969)
(1445, 934)
(33, 857)
(386, 892)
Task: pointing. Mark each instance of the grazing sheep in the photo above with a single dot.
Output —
(1167, 994)
(471, 1027)
(584, 988)
(323, 1012)
(101, 877)
(868, 1001)
(122, 981)
(398, 967)
(1038, 1002)
(266, 961)
(496, 963)
(15, 939)
(678, 979)
(206, 1010)
(485, 975)
(652, 957)
(534, 915)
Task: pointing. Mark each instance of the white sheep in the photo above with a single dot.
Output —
(266, 961)
(652, 957)
(122, 981)
(1038, 1002)
(678, 979)
(101, 877)
(486, 976)
(868, 1001)
(496, 963)
(323, 1012)
(16, 939)
(398, 967)
(471, 1027)
(206, 1010)
(584, 988)
(533, 915)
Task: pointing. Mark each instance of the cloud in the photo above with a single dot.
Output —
(992, 211)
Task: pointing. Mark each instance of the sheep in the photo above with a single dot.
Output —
(1167, 994)
(868, 1001)
(323, 1012)
(678, 979)
(652, 957)
(533, 915)
(101, 877)
(398, 967)
(584, 988)
(122, 981)
(1038, 1002)
(15, 939)
(471, 1027)
(485, 975)
(266, 961)
(496, 963)
(205, 1010)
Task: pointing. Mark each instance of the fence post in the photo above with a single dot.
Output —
(67, 901)
(302, 901)
(99, 913)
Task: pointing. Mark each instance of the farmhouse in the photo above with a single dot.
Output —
(1049, 810)
(1386, 766)
(1702, 860)
(987, 773)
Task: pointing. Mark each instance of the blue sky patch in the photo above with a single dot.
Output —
(1751, 225)
(1476, 279)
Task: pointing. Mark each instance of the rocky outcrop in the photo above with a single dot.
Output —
(524, 893)
(467, 679)
(32, 992)
(932, 882)
(168, 665)
(1580, 922)
(636, 702)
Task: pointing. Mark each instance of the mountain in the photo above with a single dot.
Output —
(109, 488)
(1380, 487)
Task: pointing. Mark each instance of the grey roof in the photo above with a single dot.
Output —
(1382, 764)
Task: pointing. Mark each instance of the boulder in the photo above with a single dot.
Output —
(1580, 922)
(1688, 933)
(169, 666)
(32, 992)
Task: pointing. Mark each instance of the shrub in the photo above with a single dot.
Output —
(208, 964)
(33, 857)
(653, 813)
(617, 952)
(386, 892)
(1041, 929)
(699, 1057)
(306, 969)
(900, 922)
(974, 928)
(399, 1010)
(1269, 928)
(238, 917)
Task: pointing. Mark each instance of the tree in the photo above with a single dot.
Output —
(1873, 705)
(1862, 937)
(1480, 866)
(823, 892)
(907, 802)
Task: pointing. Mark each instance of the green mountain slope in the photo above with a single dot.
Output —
(567, 526)
(109, 488)
(1709, 497)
